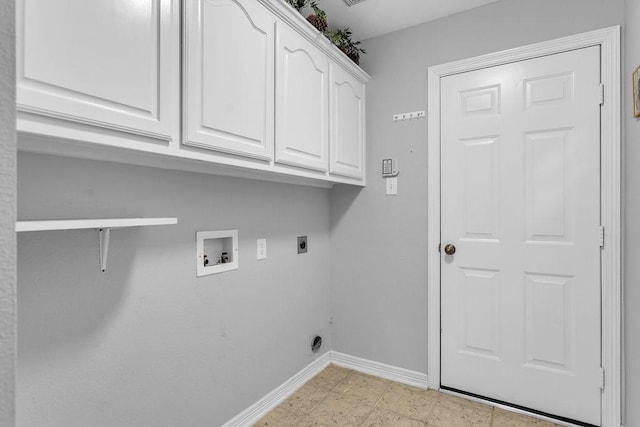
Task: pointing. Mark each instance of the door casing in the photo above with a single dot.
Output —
(611, 201)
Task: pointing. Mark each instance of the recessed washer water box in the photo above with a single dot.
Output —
(217, 251)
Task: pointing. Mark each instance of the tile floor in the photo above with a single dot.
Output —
(342, 397)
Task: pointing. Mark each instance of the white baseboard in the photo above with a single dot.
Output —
(277, 396)
(259, 409)
(389, 372)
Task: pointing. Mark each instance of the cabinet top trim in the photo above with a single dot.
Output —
(298, 23)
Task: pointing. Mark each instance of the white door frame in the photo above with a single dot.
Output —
(611, 180)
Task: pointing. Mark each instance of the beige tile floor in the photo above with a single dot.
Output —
(341, 397)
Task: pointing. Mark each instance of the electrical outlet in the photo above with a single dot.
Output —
(302, 245)
(261, 248)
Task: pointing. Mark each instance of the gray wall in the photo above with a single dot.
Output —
(7, 213)
(632, 213)
(379, 293)
(148, 343)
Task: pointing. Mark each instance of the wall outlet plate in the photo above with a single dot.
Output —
(302, 245)
(261, 247)
(391, 186)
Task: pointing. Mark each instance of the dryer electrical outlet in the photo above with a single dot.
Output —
(302, 245)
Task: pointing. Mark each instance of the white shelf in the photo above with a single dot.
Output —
(104, 227)
(79, 224)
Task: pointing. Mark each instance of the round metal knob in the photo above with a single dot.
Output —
(449, 249)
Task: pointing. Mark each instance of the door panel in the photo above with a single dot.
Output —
(302, 103)
(549, 327)
(521, 203)
(347, 124)
(480, 312)
(481, 188)
(229, 84)
(117, 63)
(548, 203)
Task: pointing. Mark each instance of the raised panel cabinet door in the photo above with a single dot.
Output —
(302, 110)
(229, 77)
(111, 64)
(347, 124)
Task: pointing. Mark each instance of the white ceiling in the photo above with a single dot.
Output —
(376, 17)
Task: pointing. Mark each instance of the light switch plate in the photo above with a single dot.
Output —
(392, 186)
(262, 249)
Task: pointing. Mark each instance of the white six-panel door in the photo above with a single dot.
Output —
(521, 203)
(302, 102)
(109, 64)
(229, 77)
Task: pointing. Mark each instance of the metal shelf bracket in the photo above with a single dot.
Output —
(104, 236)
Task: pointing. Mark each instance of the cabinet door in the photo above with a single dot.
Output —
(302, 126)
(347, 124)
(109, 64)
(229, 77)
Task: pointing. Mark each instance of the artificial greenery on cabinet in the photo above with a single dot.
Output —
(341, 38)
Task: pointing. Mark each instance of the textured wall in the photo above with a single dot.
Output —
(147, 343)
(379, 293)
(7, 212)
(632, 199)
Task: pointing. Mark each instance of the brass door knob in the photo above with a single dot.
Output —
(449, 249)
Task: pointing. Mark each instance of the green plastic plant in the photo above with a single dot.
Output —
(318, 18)
(343, 39)
(299, 4)
(334, 37)
(313, 4)
(316, 9)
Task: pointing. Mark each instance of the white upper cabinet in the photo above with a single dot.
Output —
(347, 124)
(238, 87)
(302, 109)
(107, 64)
(228, 77)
